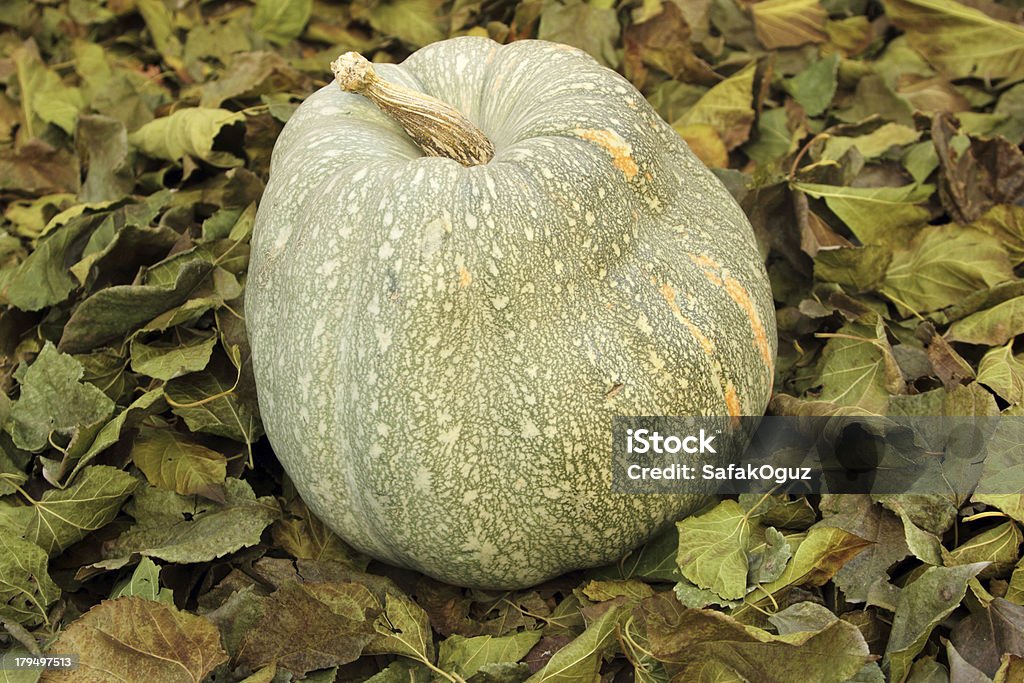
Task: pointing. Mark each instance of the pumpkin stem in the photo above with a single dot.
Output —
(438, 128)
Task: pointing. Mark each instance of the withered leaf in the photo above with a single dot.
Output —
(789, 23)
(308, 626)
(133, 639)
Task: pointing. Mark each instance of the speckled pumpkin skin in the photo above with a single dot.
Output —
(439, 350)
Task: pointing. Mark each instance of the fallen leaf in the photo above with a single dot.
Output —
(64, 516)
(944, 263)
(193, 132)
(585, 25)
(26, 589)
(307, 626)
(466, 656)
(281, 21)
(992, 326)
(858, 515)
(1003, 373)
(959, 40)
(186, 530)
(789, 23)
(135, 639)
(114, 311)
(144, 583)
(580, 660)
(54, 401)
(726, 107)
(713, 549)
(814, 87)
(876, 215)
(38, 168)
(172, 461)
(921, 606)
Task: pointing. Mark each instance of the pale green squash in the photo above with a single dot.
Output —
(439, 349)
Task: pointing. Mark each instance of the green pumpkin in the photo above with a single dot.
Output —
(439, 349)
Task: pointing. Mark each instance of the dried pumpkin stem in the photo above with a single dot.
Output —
(438, 128)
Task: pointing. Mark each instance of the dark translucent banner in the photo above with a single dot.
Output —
(960, 456)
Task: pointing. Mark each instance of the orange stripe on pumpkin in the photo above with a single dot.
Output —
(732, 403)
(738, 294)
(742, 298)
(669, 293)
(614, 144)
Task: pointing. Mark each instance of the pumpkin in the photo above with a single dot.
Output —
(460, 272)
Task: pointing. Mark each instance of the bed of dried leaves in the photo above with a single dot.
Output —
(145, 525)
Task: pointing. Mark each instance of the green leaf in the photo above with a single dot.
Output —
(997, 546)
(713, 549)
(920, 160)
(218, 402)
(774, 139)
(858, 515)
(817, 556)
(860, 268)
(960, 41)
(466, 656)
(132, 639)
(580, 660)
(991, 327)
(942, 265)
(401, 671)
(302, 535)
(768, 559)
(802, 616)
(54, 401)
(183, 529)
(854, 368)
(726, 107)
(693, 596)
(654, 561)
(110, 313)
(44, 277)
(64, 516)
(876, 215)
(1003, 373)
(1015, 589)
(26, 589)
(1005, 221)
(586, 25)
(281, 21)
(160, 23)
(171, 461)
(167, 362)
(876, 143)
(705, 645)
(11, 475)
(1002, 477)
(921, 606)
(10, 672)
(144, 583)
(814, 87)
(189, 132)
(44, 97)
(404, 629)
(149, 403)
(789, 23)
(103, 143)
